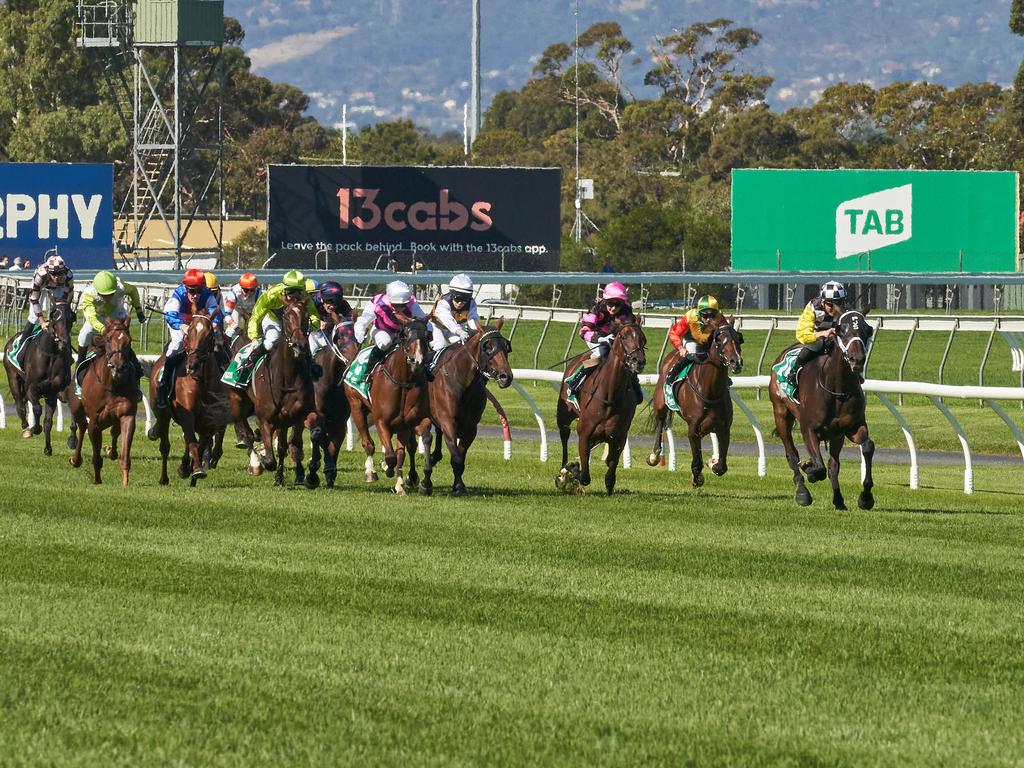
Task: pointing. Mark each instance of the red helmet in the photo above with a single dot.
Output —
(249, 281)
(194, 278)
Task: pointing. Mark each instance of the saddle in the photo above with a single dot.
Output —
(670, 387)
(91, 355)
(17, 351)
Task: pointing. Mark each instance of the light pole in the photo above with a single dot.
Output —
(474, 99)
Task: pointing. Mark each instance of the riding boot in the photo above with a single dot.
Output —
(576, 379)
(803, 357)
(376, 356)
(82, 352)
(638, 391)
(163, 391)
(26, 332)
(245, 367)
(136, 364)
(677, 368)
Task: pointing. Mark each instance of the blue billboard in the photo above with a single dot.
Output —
(67, 206)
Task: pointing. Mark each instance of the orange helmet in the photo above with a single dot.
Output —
(194, 278)
(249, 281)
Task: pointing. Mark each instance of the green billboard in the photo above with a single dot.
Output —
(885, 221)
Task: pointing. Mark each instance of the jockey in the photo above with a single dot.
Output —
(102, 302)
(190, 298)
(239, 301)
(453, 312)
(332, 309)
(597, 328)
(265, 322)
(690, 336)
(817, 323)
(382, 313)
(222, 344)
(51, 276)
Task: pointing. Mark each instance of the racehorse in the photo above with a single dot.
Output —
(194, 402)
(398, 404)
(458, 396)
(110, 399)
(831, 408)
(607, 403)
(332, 405)
(280, 394)
(703, 399)
(45, 373)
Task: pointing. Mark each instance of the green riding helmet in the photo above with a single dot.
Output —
(105, 283)
(294, 279)
(707, 307)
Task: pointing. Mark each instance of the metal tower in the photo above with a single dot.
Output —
(163, 65)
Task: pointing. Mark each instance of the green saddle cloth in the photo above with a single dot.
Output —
(18, 346)
(357, 375)
(781, 370)
(80, 373)
(233, 376)
(670, 387)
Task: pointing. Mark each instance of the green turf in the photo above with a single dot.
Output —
(237, 624)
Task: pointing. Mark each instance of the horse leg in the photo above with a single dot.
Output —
(218, 447)
(281, 445)
(163, 426)
(721, 466)
(369, 448)
(564, 419)
(866, 500)
(412, 448)
(187, 419)
(390, 458)
(127, 434)
(586, 446)
(399, 460)
(815, 464)
(697, 456)
(49, 406)
(20, 403)
(615, 448)
(835, 447)
(96, 438)
(295, 452)
(784, 427)
(660, 421)
(427, 433)
(267, 434)
(37, 411)
(78, 426)
(111, 450)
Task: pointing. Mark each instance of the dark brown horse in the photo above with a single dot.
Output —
(398, 404)
(332, 405)
(831, 408)
(607, 404)
(280, 395)
(198, 403)
(458, 396)
(110, 400)
(45, 373)
(703, 399)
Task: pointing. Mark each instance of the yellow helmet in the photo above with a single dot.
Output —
(211, 282)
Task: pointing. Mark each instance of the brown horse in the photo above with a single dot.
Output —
(332, 405)
(458, 396)
(398, 403)
(703, 399)
(831, 408)
(110, 399)
(280, 395)
(198, 403)
(45, 373)
(607, 404)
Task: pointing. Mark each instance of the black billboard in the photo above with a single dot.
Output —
(361, 217)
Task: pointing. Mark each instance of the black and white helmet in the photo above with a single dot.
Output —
(833, 291)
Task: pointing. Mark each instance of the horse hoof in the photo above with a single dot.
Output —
(840, 505)
(37, 429)
(72, 442)
(426, 489)
(316, 435)
(110, 453)
(153, 433)
(74, 463)
(866, 501)
(240, 444)
(278, 482)
(816, 475)
(26, 433)
(47, 451)
(269, 463)
(698, 481)
(199, 474)
(653, 459)
(312, 482)
(719, 469)
(803, 498)
(389, 472)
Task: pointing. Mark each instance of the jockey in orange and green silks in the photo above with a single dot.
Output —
(691, 335)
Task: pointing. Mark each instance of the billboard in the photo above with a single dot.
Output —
(67, 206)
(359, 217)
(888, 221)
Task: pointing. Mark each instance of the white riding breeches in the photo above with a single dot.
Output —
(177, 342)
(382, 339)
(317, 341)
(271, 332)
(690, 346)
(442, 338)
(597, 349)
(85, 335)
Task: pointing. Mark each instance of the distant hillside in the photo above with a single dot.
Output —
(398, 58)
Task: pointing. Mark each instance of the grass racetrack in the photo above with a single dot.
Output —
(238, 624)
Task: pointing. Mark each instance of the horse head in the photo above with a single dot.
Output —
(852, 337)
(61, 319)
(199, 340)
(295, 321)
(632, 343)
(414, 339)
(344, 340)
(117, 345)
(726, 343)
(493, 352)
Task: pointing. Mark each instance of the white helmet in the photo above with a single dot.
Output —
(462, 283)
(55, 265)
(398, 292)
(832, 291)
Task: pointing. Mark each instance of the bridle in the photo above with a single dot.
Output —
(721, 336)
(198, 355)
(630, 355)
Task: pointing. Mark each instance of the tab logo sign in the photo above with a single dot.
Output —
(874, 221)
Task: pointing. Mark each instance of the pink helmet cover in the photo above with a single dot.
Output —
(615, 291)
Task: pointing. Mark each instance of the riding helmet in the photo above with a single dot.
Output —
(615, 291)
(212, 282)
(833, 291)
(55, 265)
(194, 278)
(398, 292)
(331, 292)
(249, 281)
(462, 285)
(294, 279)
(104, 283)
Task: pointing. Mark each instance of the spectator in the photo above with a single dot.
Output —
(608, 267)
(26, 264)
(5, 263)
(16, 265)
